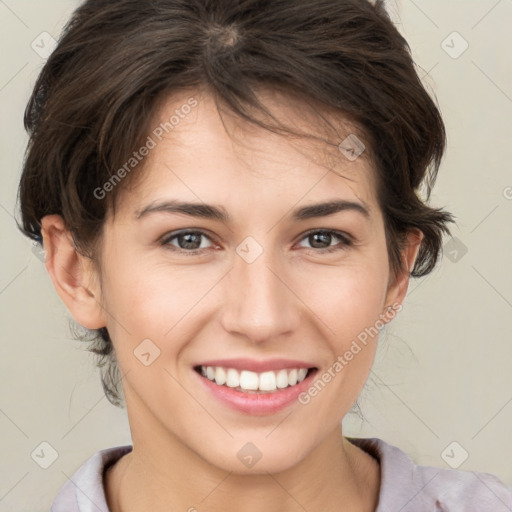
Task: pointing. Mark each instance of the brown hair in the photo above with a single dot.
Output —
(93, 101)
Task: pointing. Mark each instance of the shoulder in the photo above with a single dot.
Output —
(85, 491)
(408, 487)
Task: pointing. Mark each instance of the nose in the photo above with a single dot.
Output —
(259, 304)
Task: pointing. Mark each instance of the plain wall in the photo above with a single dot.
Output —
(443, 370)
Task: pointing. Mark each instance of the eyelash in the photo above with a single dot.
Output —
(346, 241)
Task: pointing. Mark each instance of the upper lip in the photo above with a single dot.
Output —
(257, 366)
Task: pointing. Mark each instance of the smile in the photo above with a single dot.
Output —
(248, 381)
(255, 387)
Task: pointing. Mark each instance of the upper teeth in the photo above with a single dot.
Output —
(252, 381)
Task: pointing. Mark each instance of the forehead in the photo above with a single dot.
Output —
(202, 148)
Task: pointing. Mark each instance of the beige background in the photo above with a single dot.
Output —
(443, 372)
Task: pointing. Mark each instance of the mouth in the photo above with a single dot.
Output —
(251, 382)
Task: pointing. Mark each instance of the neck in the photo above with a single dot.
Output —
(162, 476)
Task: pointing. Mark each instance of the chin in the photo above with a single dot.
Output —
(256, 458)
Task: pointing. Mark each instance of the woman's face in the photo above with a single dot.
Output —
(265, 283)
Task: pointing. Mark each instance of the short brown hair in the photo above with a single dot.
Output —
(93, 100)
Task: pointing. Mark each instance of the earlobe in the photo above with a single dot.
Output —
(72, 274)
(398, 289)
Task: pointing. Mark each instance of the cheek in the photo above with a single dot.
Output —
(349, 297)
(349, 300)
(149, 296)
(349, 306)
(156, 302)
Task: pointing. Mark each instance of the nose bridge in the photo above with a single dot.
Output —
(259, 305)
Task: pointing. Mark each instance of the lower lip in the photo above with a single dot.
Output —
(257, 403)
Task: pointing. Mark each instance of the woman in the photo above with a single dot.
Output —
(228, 196)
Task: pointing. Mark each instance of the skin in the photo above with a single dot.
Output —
(294, 301)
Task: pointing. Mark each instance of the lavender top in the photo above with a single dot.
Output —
(405, 486)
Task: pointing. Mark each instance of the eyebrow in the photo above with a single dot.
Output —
(208, 211)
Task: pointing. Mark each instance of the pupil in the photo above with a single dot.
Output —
(189, 240)
(321, 238)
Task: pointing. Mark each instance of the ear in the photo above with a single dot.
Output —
(73, 275)
(398, 288)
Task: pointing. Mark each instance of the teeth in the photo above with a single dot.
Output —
(249, 380)
(232, 379)
(267, 381)
(282, 379)
(246, 380)
(220, 376)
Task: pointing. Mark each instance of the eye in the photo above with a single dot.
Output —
(322, 239)
(190, 241)
(186, 241)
